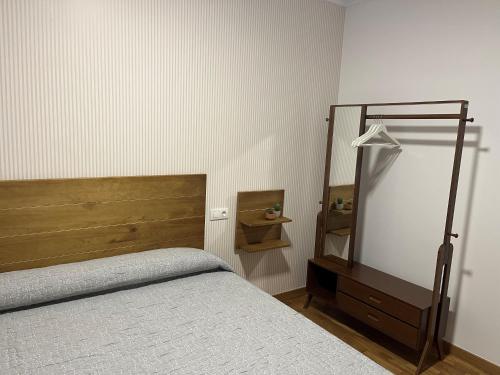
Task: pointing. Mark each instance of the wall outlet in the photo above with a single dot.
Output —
(218, 214)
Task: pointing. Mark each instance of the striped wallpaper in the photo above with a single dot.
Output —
(237, 89)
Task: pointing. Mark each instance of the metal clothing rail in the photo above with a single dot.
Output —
(439, 310)
(436, 116)
(401, 103)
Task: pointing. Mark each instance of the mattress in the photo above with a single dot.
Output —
(175, 311)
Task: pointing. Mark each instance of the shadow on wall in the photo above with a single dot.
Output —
(294, 167)
(386, 158)
(250, 261)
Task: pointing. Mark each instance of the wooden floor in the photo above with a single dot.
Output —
(379, 348)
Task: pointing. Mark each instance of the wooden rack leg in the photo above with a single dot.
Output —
(436, 292)
(443, 306)
(445, 254)
(308, 301)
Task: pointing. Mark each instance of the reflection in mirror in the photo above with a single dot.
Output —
(342, 176)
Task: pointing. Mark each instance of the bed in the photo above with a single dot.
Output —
(112, 300)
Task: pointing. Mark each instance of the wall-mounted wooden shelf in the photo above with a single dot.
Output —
(340, 212)
(254, 232)
(342, 232)
(339, 221)
(258, 222)
(346, 192)
(267, 245)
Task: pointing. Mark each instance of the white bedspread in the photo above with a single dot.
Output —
(208, 323)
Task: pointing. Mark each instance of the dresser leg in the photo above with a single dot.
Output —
(308, 300)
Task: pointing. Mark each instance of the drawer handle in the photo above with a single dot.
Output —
(373, 299)
(374, 318)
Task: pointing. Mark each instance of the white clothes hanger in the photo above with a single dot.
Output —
(376, 129)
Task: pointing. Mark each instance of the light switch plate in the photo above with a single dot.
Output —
(218, 214)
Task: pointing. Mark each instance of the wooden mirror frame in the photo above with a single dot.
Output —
(321, 228)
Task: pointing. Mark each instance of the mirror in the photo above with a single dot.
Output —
(339, 219)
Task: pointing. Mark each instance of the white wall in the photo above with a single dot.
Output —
(397, 50)
(235, 89)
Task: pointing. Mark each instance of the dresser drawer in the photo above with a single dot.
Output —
(381, 301)
(392, 327)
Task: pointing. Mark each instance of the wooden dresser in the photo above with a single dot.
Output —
(391, 305)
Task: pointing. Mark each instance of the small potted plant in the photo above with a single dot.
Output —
(277, 209)
(269, 214)
(339, 203)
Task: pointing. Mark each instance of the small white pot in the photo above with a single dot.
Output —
(277, 213)
(339, 206)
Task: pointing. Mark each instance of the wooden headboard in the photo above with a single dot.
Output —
(47, 222)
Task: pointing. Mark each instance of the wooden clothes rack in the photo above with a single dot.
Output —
(438, 315)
